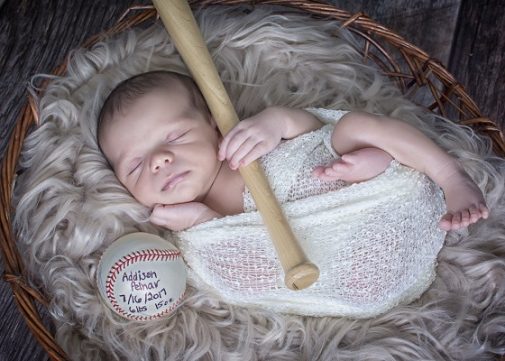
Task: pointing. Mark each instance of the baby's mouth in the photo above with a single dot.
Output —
(173, 180)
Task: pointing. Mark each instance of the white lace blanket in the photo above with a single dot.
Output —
(375, 242)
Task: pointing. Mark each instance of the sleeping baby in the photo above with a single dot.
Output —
(164, 147)
(365, 175)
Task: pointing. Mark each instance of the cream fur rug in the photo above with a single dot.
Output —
(69, 207)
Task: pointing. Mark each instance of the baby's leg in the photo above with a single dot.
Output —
(356, 166)
(465, 202)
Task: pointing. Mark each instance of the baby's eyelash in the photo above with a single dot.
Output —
(135, 168)
(171, 138)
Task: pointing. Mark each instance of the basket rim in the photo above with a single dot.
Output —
(14, 272)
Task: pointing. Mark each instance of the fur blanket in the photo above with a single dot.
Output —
(70, 206)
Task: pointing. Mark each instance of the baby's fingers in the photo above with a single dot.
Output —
(243, 151)
(231, 142)
(162, 215)
(237, 135)
(162, 212)
(258, 150)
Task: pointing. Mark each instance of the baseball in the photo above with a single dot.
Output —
(142, 277)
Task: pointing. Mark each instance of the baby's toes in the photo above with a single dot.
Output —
(465, 218)
(456, 220)
(475, 214)
(484, 211)
(445, 223)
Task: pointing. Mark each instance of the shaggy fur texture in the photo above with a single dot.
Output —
(69, 207)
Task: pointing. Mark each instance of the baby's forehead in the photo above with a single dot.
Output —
(131, 91)
(124, 103)
(167, 88)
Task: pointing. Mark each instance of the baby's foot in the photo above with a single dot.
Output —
(357, 166)
(464, 200)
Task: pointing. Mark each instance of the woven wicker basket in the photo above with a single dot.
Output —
(412, 69)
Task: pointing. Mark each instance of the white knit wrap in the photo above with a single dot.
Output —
(375, 242)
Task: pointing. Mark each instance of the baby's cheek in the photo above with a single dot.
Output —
(143, 194)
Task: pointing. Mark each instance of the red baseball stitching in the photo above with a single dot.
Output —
(138, 256)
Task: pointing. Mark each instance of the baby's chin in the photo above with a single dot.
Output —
(178, 198)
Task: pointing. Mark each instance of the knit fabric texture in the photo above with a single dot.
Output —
(375, 242)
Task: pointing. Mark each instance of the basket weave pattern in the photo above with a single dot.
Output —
(412, 69)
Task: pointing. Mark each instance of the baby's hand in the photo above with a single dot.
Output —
(178, 217)
(252, 138)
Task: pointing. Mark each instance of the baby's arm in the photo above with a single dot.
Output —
(178, 217)
(254, 137)
(465, 202)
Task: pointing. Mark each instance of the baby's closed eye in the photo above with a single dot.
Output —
(171, 137)
(134, 166)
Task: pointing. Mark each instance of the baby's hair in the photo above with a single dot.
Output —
(129, 90)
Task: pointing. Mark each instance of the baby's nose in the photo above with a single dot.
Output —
(160, 160)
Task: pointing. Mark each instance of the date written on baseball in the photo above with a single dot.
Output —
(142, 277)
(148, 283)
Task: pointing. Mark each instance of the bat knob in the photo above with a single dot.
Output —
(301, 276)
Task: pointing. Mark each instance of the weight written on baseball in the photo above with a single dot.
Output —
(142, 277)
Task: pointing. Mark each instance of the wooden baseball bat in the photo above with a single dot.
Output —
(183, 29)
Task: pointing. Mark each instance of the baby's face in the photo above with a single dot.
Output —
(162, 149)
